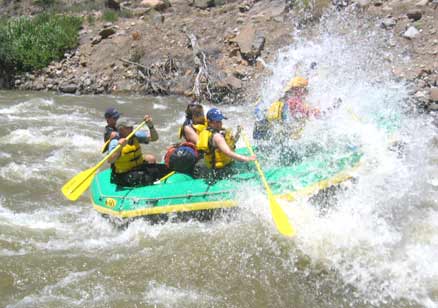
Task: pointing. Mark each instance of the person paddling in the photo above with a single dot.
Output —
(129, 166)
(290, 110)
(218, 146)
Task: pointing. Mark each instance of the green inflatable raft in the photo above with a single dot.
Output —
(183, 194)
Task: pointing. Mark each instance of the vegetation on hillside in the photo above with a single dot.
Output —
(29, 43)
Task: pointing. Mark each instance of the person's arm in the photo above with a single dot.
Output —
(113, 144)
(220, 142)
(110, 133)
(190, 134)
(152, 130)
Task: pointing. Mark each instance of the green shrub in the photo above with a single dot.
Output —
(91, 20)
(32, 43)
(110, 15)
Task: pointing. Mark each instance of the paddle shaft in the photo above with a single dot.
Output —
(93, 170)
(259, 169)
(280, 218)
(119, 145)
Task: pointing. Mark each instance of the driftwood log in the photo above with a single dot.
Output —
(155, 77)
(202, 82)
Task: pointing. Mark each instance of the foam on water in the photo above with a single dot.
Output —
(167, 296)
(371, 235)
(377, 237)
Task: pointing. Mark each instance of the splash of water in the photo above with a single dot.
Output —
(381, 234)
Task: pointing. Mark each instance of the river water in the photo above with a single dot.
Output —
(372, 244)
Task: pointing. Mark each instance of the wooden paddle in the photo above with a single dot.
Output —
(280, 218)
(77, 185)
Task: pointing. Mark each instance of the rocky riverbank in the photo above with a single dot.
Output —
(217, 50)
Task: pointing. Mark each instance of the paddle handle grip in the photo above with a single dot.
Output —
(118, 146)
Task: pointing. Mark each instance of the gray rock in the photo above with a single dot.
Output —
(68, 88)
(250, 43)
(432, 107)
(158, 5)
(433, 95)
(203, 4)
(88, 82)
(363, 3)
(388, 23)
(411, 33)
(96, 40)
(422, 3)
(140, 11)
(233, 82)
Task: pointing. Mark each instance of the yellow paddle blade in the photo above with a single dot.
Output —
(280, 218)
(74, 188)
(77, 185)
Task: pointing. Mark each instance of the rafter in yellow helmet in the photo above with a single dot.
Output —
(297, 82)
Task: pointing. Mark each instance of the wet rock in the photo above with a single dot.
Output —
(68, 88)
(411, 33)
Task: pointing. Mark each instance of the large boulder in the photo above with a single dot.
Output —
(250, 43)
(70, 88)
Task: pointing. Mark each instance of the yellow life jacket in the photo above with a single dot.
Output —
(197, 127)
(215, 158)
(130, 157)
(275, 111)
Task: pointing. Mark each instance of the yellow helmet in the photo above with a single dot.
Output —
(297, 82)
